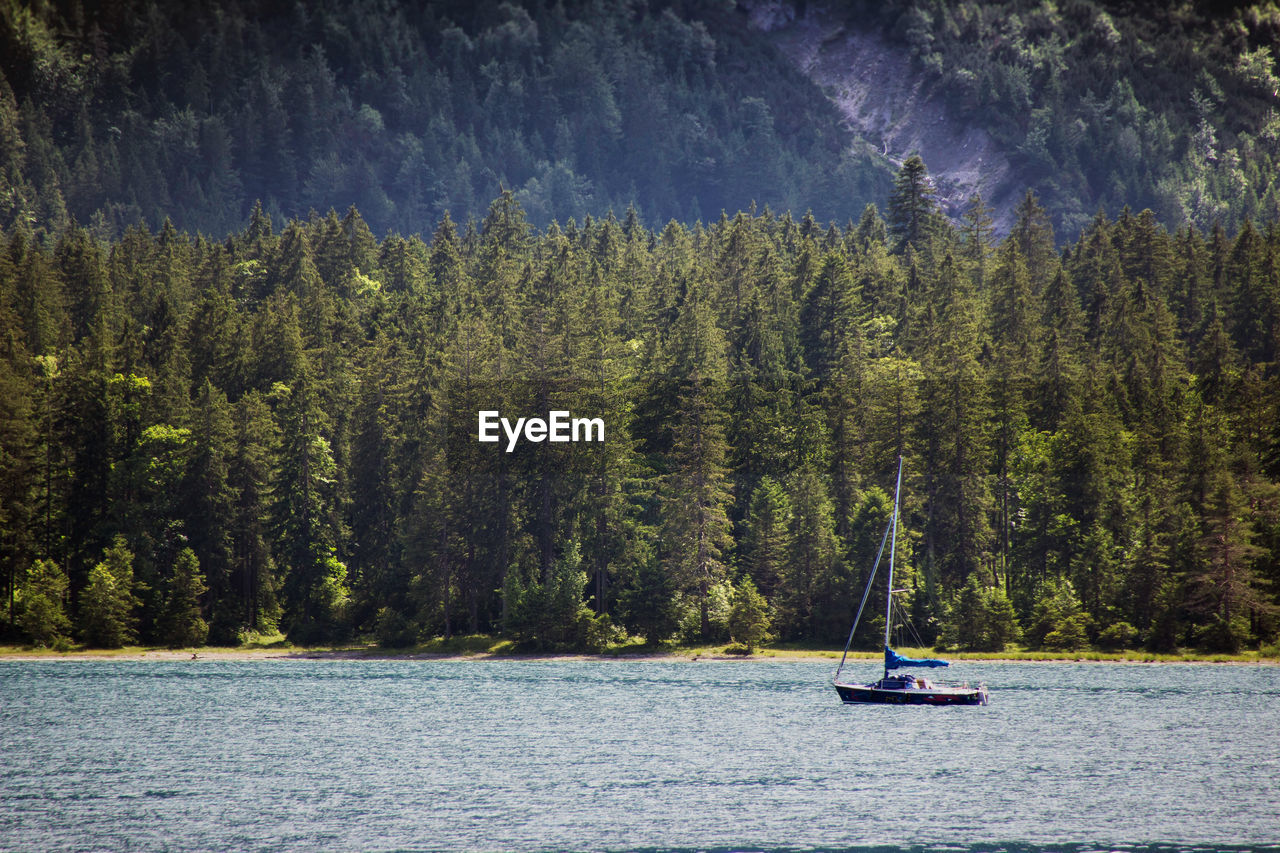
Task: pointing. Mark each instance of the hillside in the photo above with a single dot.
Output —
(1094, 105)
(124, 113)
(893, 106)
(131, 112)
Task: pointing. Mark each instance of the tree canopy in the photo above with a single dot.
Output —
(277, 430)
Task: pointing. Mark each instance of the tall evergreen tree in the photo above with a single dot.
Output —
(695, 494)
(108, 605)
(913, 211)
(183, 623)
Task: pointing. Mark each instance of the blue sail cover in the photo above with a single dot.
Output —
(893, 660)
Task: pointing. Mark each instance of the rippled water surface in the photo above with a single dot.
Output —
(496, 755)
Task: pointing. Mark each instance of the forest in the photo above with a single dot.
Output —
(1167, 106)
(212, 440)
(262, 264)
(129, 112)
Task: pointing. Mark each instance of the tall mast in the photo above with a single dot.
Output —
(893, 544)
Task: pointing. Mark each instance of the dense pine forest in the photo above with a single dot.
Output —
(225, 414)
(218, 439)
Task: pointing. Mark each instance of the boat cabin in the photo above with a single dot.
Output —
(905, 682)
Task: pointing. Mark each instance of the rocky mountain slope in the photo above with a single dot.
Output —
(890, 106)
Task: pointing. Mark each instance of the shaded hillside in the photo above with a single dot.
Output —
(134, 111)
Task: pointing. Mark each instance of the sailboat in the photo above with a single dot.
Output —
(896, 688)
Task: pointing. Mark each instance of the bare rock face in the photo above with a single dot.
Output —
(890, 104)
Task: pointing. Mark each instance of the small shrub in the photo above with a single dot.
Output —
(1119, 635)
(597, 633)
(1067, 637)
(1058, 622)
(719, 605)
(1223, 635)
(980, 619)
(394, 630)
(737, 649)
(247, 636)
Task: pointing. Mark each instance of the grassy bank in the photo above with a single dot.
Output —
(485, 646)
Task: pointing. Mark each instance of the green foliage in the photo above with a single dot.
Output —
(551, 615)
(767, 540)
(42, 616)
(183, 623)
(1101, 106)
(913, 212)
(394, 631)
(1088, 434)
(1118, 635)
(1057, 620)
(706, 618)
(749, 616)
(108, 604)
(1223, 634)
(407, 110)
(981, 619)
(813, 562)
(649, 605)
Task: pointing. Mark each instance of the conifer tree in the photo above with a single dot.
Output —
(183, 623)
(1014, 313)
(695, 494)
(648, 602)
(913, 212)
(767, 538)
(749, 618)
(829, 314)
(1224, 594)
(1060, 371)
(305, 517)
(956, 440)
(42, 601)
(812, 560)
(871, 229)
(208, 508)
(108, 605)
(978, 231)
(981, 619)
(1032, 234)
(250, 475)
(20, 462)
(378, 575)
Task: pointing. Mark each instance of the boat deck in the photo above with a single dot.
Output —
(907, 691)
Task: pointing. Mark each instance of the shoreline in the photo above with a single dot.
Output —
(373, 653)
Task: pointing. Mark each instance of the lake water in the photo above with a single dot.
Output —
(619, 755)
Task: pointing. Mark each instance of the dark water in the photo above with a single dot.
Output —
(304, 755)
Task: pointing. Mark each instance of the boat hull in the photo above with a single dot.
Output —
(857, 694)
